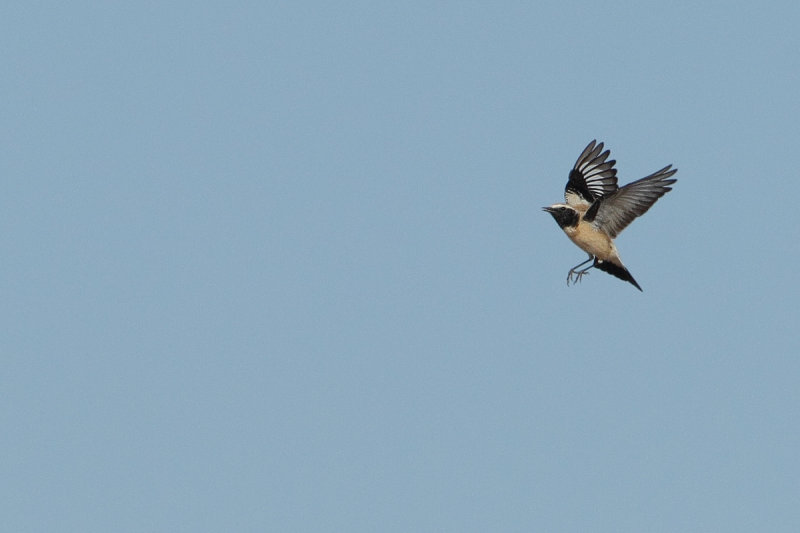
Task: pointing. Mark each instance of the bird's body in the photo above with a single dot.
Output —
(592, 241)
(596, 210)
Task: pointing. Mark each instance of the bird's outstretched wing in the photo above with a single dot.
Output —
(592, 177)
(614, 212)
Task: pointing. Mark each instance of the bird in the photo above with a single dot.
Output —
(596, 210)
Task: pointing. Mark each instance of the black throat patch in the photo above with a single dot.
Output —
(565, 216)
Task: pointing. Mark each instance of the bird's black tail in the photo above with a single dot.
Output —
(616, 270)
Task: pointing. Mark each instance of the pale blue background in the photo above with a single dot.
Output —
(282, 267)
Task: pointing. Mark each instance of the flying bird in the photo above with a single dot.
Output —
(596, 210)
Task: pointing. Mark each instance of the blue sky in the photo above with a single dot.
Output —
(282, 267)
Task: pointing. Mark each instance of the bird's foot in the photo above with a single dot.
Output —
(574, 276)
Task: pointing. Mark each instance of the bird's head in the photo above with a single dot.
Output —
(565, 215)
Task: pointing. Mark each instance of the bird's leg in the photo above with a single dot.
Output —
(578, 273)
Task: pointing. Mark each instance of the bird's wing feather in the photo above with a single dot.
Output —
(592, 177)
(616, 211)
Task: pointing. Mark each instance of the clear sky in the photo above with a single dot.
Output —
(281, 266)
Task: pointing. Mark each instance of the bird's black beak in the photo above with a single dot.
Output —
(548, 209)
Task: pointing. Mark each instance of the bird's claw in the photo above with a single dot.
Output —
(578, 274)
